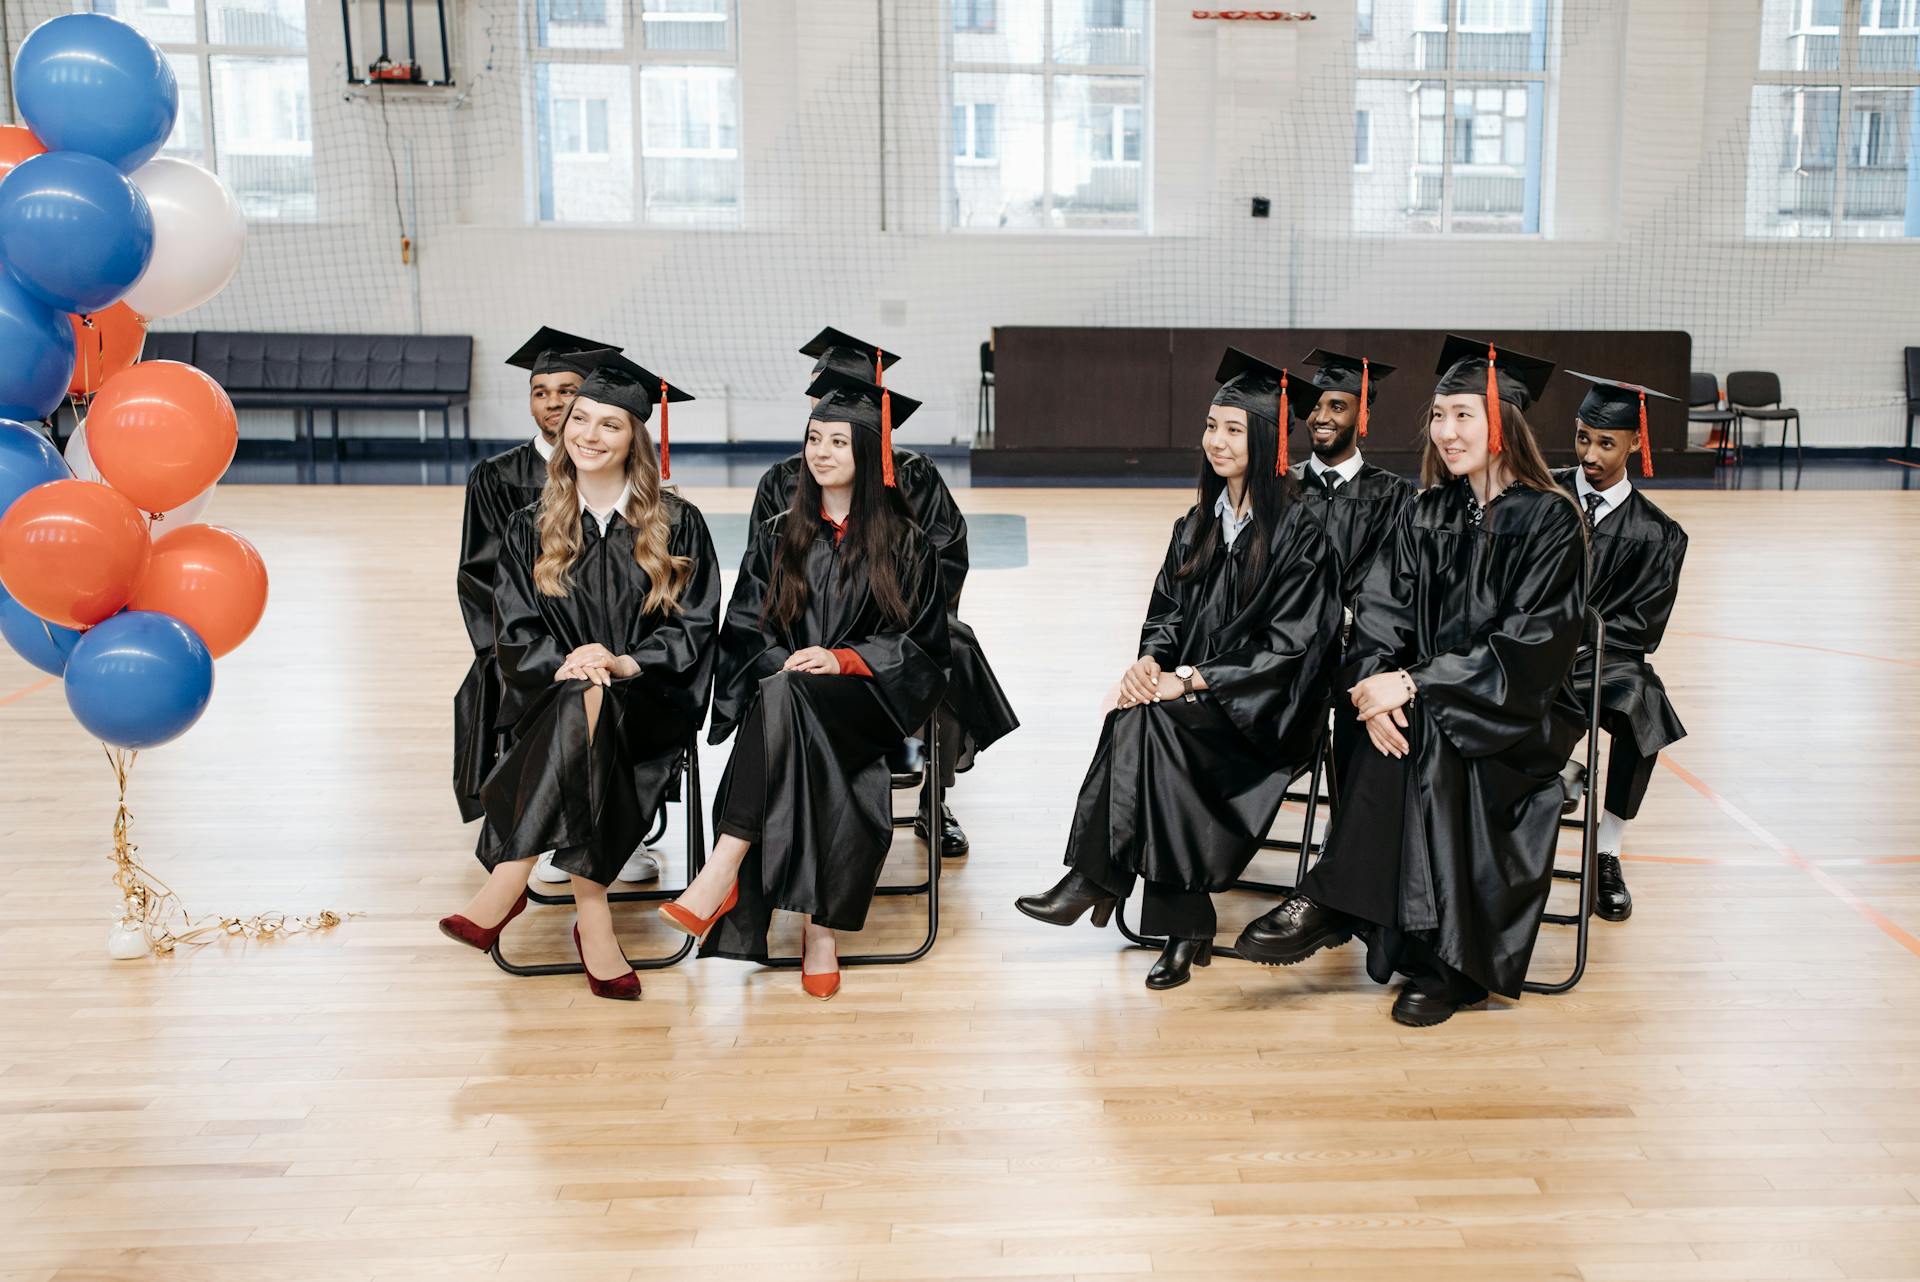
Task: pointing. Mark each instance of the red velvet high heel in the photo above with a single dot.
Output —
(626, 988)
(481, 937)
(685, 922)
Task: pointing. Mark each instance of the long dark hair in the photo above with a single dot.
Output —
(1268, 499)
(877, 525)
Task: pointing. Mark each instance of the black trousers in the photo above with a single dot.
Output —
(1628, 774)
(1165, 909)
(742, 812)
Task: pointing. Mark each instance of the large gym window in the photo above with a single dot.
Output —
(1454, 98)
(1836, 103)
(245, 108)
(636, 111)
(1049, 115)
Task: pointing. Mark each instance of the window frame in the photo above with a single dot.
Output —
(632, 53)
(1543, 20)
(1846, 78)
(1047, 70)
(203, 50)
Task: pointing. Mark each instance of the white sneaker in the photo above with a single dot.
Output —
(545, 871)
(642, 865)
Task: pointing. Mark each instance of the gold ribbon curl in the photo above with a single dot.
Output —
(150, 906)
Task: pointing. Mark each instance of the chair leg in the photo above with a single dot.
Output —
(446, 430)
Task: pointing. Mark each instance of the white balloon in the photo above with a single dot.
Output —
(198, 233)
(127, 942)
(80, 461)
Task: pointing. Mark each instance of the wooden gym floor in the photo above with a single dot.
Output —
(1733, 1092)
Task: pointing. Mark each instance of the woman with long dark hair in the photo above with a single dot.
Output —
(1441, 854)
(1228, 697)
(834, 649)
(605, 603)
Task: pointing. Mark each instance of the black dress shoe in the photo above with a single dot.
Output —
(953, 838)
(1573, 786)
(1177, 961)
(1611, 902)
(1072, 896)
(1293, 932)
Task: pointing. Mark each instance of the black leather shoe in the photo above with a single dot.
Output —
(1418, 1009)
(1611, 902)
(1573, 786)
(1062, 905)
(906, 763)
(1177, 961)
(953, 838)
(1293, 932)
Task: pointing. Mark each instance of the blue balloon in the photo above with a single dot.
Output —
(44, 645)
(139, 679)
(75, 230)
(36, 353)
(27, 459)
(86, 82)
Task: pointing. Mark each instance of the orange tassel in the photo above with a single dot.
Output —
(1366, 386)
(1496, 439)
(1646, 445)
(666, 463)
(1280, 455)
(879, 368)
(886, 437)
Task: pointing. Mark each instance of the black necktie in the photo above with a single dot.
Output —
(1593, 499)
(1330, 480)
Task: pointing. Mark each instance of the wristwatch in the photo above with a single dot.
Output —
(1185, 673)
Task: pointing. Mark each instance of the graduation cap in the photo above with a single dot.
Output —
(848, 398)
(1497, 373)
(552, 351)
(845, 354)
(1251, 384)
(1618, 407)
(1355, 374)
(618, 381)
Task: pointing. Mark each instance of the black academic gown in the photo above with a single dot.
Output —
(1454, 843)
(1635, 577)
(552, 789)
(829, 819)
(496, 489)
(1357, 516)
(974, 697)
(1182, 793)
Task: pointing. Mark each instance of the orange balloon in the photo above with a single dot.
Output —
(210, 579)
(104, 343)
(160, 432)
(17, 143)
(72, 552)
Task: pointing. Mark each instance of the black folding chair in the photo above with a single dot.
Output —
(1588, 821)
(696, 857)
(930, 887)
(1755, 394)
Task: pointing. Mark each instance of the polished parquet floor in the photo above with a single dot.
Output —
(1733, 1092)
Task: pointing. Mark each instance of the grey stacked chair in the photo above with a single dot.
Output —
(1703, 406)
(1755, 394)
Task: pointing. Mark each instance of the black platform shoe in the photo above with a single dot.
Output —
(1072, 896)
(1418, 1009)
(1611, 902)
(953, 838)
(1177, 961)
(1293, 932)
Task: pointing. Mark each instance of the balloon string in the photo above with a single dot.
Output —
(150, 906)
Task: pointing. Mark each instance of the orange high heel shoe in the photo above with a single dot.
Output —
(822, 986)
(626, 988)
(481, 937)
(686, 923)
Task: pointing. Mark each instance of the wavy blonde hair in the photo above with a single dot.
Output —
(560, 518)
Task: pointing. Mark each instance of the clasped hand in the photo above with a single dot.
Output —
(815, 659)
(594, 662)
(1378, 701)
(1144, 682)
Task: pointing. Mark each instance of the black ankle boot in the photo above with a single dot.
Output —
(1072, 896)
(1177, 961)
(1293, 932)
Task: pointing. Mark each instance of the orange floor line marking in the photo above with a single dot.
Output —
(1801, 645)
(1891, 929)
(24, 691)
(1903, 463)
